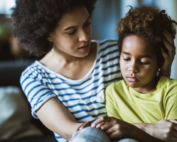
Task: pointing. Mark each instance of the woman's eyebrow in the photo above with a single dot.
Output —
(68, 28)
(87, 19)
(125, 52)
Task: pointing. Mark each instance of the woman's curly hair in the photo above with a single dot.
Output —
(149, 23)
(33, 20)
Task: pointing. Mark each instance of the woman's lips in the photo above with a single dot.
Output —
(84, 48)
(132, 79)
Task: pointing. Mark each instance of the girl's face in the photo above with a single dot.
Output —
(72, 36)
(138, 63)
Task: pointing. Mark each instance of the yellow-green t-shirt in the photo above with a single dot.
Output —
(125, 103)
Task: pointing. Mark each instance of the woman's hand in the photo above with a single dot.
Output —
(116, 129)
(165, 130)
(170, 46)
(82, 126)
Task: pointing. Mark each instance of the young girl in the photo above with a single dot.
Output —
(142, 97)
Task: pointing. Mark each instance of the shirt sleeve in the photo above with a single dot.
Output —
(171, 103)
(110, 107)
(36, 91)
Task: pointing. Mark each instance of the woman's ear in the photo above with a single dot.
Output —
(50, 38)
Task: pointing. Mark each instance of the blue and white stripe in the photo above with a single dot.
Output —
(84, 98)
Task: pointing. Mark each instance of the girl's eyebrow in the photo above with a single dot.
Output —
(146, 56)
(142, 56)
(68, 28)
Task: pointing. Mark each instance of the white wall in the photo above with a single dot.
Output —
(125, 8)
(5, 6)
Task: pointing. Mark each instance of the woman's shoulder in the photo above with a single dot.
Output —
(35, 71)
(32, 68)
(107, 46)
(107, 43)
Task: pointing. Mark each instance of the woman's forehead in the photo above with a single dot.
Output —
(75, 16)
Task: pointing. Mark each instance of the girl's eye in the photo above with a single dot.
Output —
(144, 63)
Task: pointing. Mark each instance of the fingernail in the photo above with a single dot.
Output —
(92, 125)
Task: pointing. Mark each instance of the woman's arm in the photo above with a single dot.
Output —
(57, 118)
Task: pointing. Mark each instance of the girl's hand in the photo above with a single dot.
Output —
(165, 130)
(116, 129)
(170, 46)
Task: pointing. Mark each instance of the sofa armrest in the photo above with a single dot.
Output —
(10, 72)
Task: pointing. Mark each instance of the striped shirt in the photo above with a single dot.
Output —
(84, 98)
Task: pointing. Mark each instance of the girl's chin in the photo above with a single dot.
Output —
(133, 84)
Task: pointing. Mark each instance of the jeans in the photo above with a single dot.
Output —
(90, 134)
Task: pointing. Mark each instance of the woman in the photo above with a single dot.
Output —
(65, 88)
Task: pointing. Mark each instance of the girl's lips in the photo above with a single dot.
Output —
(132, 79)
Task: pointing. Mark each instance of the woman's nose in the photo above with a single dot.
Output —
(84, 36)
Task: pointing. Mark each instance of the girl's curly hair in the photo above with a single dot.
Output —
(33, 20)
(149, 23)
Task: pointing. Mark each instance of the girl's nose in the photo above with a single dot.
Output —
(133, 68)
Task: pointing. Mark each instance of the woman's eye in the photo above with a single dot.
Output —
(126, 59)
(87, 24)
(71, 33)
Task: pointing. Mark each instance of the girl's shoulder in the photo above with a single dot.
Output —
(167, 82)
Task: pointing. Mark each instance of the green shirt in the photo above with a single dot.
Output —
(125, 103)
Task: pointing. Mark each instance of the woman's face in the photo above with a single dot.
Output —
(72, 36)
(138, 62)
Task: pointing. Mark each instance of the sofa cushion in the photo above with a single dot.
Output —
(15, 117)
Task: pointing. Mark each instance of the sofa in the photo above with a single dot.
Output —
(16, 122)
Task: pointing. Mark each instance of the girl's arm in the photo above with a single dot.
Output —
(118, 129)
(57, 118)
(165, 130)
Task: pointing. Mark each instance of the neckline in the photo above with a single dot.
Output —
(68, 79)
